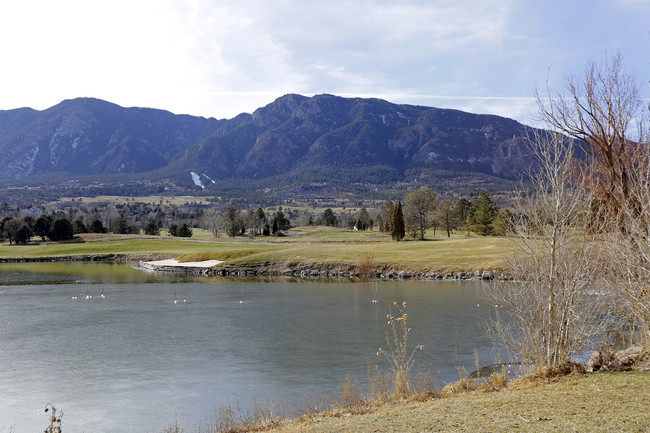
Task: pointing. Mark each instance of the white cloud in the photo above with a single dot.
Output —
(221, 57)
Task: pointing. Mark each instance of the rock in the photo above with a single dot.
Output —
(595, 363)
(488, 275)
(615, 365)
(404, 274)
(478, 274)
(629, 356)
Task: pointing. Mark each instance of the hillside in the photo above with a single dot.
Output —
(295, 141)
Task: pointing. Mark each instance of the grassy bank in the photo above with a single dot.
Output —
(594, 403)
(307, 245)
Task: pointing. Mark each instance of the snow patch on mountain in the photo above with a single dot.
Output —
(209, 178)
(196, 179)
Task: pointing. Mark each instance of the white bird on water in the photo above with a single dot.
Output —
(374, 297)
(176, 299)
(87, 295)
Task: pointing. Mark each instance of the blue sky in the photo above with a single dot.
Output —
(218, 58)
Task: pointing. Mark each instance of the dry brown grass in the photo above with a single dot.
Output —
(54, 419)
(595, 403)
(366, 264)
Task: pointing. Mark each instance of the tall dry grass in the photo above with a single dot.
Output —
(366, 264)
(398, 353)
(54, 418)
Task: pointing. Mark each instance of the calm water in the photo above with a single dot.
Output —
(134, 361)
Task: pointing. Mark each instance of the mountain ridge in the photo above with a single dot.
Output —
(293, 134)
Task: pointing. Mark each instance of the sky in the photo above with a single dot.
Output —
(219, 58)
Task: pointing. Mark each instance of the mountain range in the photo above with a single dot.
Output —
(295, 140)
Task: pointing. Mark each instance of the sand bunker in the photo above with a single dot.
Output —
(176, 263)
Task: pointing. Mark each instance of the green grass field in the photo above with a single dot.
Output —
(308, 245)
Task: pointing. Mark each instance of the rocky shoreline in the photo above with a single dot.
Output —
(327, 271)
(301, 270)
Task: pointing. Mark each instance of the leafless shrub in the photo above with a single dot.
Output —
(380, 385)
(175, 427)
(223, 421)
(629, 256)
(259, 417)
(350, 397)
(313, 407)
(604, 110)
(425, 386)
(365, 265)
(554, 308)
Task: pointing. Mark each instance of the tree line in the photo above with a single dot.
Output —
(420, 210)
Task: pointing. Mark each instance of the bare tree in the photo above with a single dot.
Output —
(629, 251)
(603, 110)
(447, 216)
(418, 204)
(214, 221)
(549, 314)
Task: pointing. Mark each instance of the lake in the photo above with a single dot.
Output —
(159, 348)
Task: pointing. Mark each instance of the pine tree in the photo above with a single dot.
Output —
(397, 223)
(120, 226)
(152, 228)
(485, 210)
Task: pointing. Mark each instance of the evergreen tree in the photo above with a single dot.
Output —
(120, 226)
(133, 229)
(283, 222)
(485, 210)
(329, 218)
(79, 226)
(61, 230)
(30, 221)
(363, 222)
(504, 224)
(233, 221)
(463, 209)
(172, 230)
(23, 234)
(42, 226)
(397, 223)
(184, 231)
(152, 228)
(96, 227)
